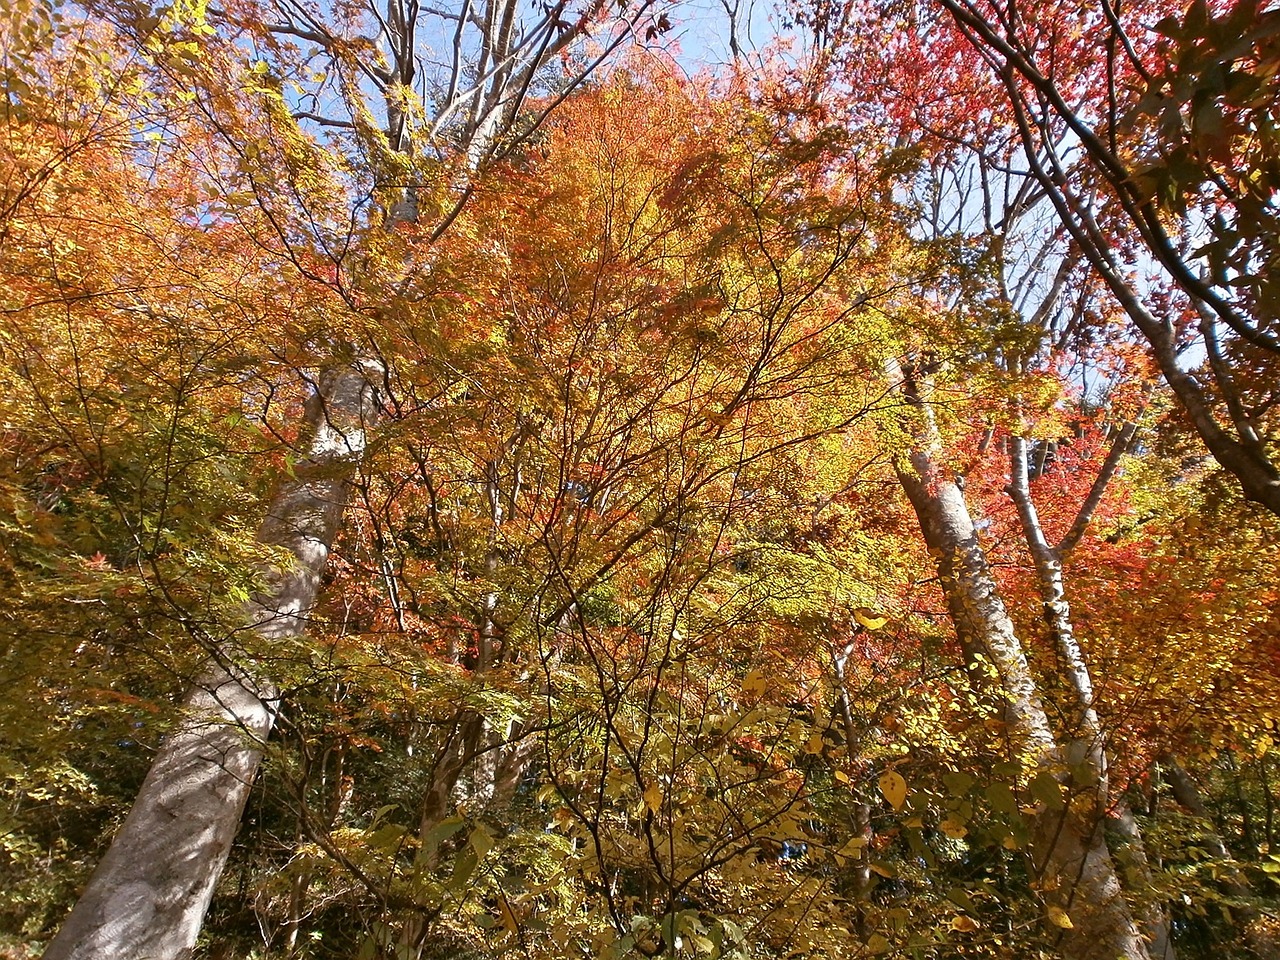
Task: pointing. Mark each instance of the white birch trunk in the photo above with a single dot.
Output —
(148, 896)
(1069, 855)
(1086, 743)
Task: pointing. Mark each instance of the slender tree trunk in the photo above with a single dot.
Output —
(1086, 744)
(148, 896)
(861, 818)
(341, 786)
(1268, 804)
(1258, 933)
(1156, 926)
(1069, 855)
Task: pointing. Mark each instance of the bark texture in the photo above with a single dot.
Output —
(1069, 854)
(148, 896)
(1085, 738)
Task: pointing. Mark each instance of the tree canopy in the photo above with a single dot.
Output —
(479, 482)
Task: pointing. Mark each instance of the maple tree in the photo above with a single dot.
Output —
(947, 79)
(129, 347)
(582, 509)
(533, 473)
(280, 186)
(1167, 113)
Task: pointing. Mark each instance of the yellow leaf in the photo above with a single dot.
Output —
(754, 684)
(508, 917)
(877, 944)
(853, 848)
(481, 840)
(653, 797)
(953, 828)
(894, 788)
(1058, 917)
(814, 745)
(841, 776)
(546, 793)
(869, 619)
(964, 924)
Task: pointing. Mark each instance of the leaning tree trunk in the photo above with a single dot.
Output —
(148, 896)
(1069, 854)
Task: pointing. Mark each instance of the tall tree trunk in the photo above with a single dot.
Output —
(1069, 854)
(1086, 740)
(861, 812)
(148, 896)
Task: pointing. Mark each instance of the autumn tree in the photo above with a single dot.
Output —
(519, 464)
(583, 536)
(122, 341)
(939, 105)
(262, 173)
(1146, 131)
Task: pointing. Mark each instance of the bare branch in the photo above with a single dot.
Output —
(322, 120)
(1121, 445)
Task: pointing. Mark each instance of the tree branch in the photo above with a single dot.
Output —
(1119, 447)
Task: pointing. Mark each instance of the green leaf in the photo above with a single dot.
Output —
(481, 840)
(382, 813)
(957, 783)
(1044, 787)
(438, 834)
(1001, 798)
(463, 868)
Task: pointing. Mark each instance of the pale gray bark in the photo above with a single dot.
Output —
(861, 819)
(1083, 728)
(1086, 739)
(1069, 854)
(149, 894)
(1133, 856)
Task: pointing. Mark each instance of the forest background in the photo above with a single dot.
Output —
(476, 482)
